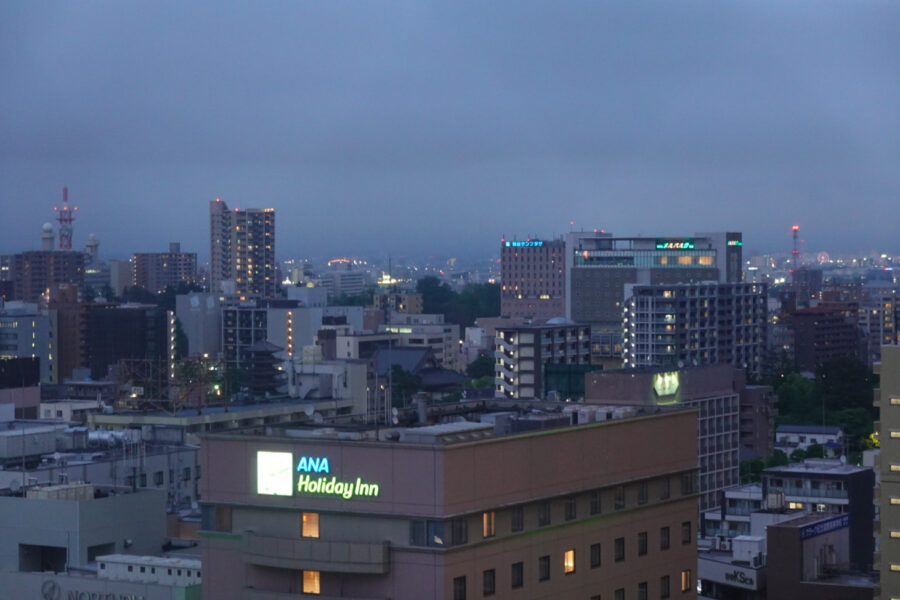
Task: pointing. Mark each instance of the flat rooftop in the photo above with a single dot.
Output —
(820, 466)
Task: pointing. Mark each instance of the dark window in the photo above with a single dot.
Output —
(642, 590)
(417, 533)
(595, 555)
(687, 483)
(663, 538)
(459, 588)
(620, 594)
(143, 569)
(489, 582)
(187, 474)
(620, 549)
(686, 532)
(517, 574)
(143, 480)
(543, 514)
(158, 478)
(570, 509)
(459, 531)
(642, 543)
(517, 519)
(620, 497)
(597, 597)
(596, 507)
(130, 568)
(544, 568)
(664, 587)
(664, 489)
(642, 493)
(197, 472)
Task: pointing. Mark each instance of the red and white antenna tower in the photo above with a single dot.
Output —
(795, 253)
(65, 217)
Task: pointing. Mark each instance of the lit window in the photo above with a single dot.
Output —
(569, 561)
(895, 534)
(895, 401)
(310, 525)
(488, 528)
(686, 580)
(895, 500)
(311, 582)
(685, 260)
(895, 467)
(895, 567)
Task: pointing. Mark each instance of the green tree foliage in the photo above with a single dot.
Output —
(777, 459)
(483, 366)
(482, 383)
(475, 300)
(366, 298)
(136, 293)
(798, 455)
(751, 470)
(840, 395)
(815, 451)
(404, 386)
(166, 298)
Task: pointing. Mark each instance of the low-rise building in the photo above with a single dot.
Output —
(791, 437)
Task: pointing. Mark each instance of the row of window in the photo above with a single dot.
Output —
(159, 477)
(517, 580)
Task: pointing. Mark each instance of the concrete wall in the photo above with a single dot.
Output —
(81, 587)
(78, 526)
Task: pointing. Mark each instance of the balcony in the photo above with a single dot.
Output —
(314, 554)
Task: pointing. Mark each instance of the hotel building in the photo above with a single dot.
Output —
(533, 274)
(454, 511)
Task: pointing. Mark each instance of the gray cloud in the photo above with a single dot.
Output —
(424, 127)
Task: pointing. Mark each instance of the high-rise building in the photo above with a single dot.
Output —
(33, 273)
(824, 333)
(599, 266)
(887, 399)
(25, 333)
(509, 507)
(695, 324)
(533, 274)
(242, 249)
(154, 271)
(878, 312)
(715, 391)
(522, 354)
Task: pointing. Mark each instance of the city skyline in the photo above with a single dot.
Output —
(451, 125)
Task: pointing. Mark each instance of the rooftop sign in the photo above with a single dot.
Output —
(275, 477)
(674, 244)
(525, 244)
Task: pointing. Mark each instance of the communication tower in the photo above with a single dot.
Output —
(65, 216)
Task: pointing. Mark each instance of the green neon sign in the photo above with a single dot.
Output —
(324, 486)
(674, 245)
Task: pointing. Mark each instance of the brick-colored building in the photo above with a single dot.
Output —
(533, 274)
(453, 511)
(154, 271)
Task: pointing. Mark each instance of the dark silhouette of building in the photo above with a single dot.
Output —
(128, 331)
(33, 273)
(823, 333)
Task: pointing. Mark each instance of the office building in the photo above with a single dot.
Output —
(823, 333)
(878, 312)
(242, 250)
(715, 391)
(427, 331)
(157, 270)
(701, 323)
(599, 265)
(25, 332)
(757, 421)
(533, 279)
(452, 511)
(68, 322)
(522, 354)
(887, 399)
(126, 332)
(69, 541)
(33, 273)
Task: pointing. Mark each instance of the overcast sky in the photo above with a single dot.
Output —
(438, 127)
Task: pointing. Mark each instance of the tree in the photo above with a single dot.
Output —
(483, 366)
(797, 401)
(798, 455)
(436, 295)
(777, 459)
(846, 383)
(482, 383)
(815, 451)
(181, 341)
(475, 300)
(751, 470)
(403, 386)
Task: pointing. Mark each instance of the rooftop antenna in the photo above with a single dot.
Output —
(65, 217)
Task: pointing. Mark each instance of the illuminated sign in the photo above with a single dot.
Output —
(735, 243)
(307, 484)
(274, 476)
(526, 244)
(665, 384)
(674, 245)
